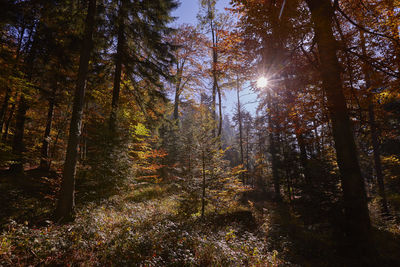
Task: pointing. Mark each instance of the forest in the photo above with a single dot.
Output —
(127, 137)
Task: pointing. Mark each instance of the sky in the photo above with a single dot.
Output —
(186, 13)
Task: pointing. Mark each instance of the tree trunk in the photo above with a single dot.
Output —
(203, 195)
(176, 105)
(355, 203)
(303, 156)
(240, 125)
(377, 157)
(66, 202)
(18, 145)
(8, 121)
(220, 110)
(118, 68)
(273, 152)
(247, 151)
(215, 88)
(45, 161)
(374, 132)
(3, 109)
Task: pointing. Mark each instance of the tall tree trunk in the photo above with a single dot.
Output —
(18, 145)
(53, 151)
(45, 161)
(374, 131)
(118, 67)
(215, 88)
(377, 156)
(203, 195)
(240, 124)
(303, 156)
(3, 109)
(273, 151)
(66, 202)
(355, 203)
(176, 105)
(220, 110)
(247, 151)
(23, 106)
(8, 121)
(178, 92)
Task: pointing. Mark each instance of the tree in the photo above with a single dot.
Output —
(66, 202)
(208, 17)
(141, 47)
(187, 70)
(356, 209)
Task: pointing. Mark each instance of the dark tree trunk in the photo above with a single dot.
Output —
(66, 202)
(374, 132)
(377, 157)
(18, 145)
(247, 151)
(45, 161)
(303, 157)
(8, 121)
(273, 152)
(220, 110)
(3, 109)
(203, 195)
(23, 106)
(118, 68)
(358, 224)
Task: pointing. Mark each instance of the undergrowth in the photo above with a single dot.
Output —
(141, 227)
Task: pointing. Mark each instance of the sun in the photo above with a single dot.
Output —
(262, 82)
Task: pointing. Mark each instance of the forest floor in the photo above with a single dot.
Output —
(143, 226)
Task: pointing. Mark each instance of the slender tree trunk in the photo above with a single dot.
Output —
(118, 68)
(203, 195)
(176, 105)
(18, 145)
(215, 88)
(240, 124)
(23, 106)
(66, 202)
(247, 152)
(317, 139)
(374, 132)
(3, 109)
(45, 161)
(220, 110)
(178, 90)
(303, 157)
(273, 152)
(53, 151)
(8, 121)
(377, 157)
(355, 202)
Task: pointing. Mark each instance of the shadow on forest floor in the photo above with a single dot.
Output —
(29, 197)
(309, 245)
